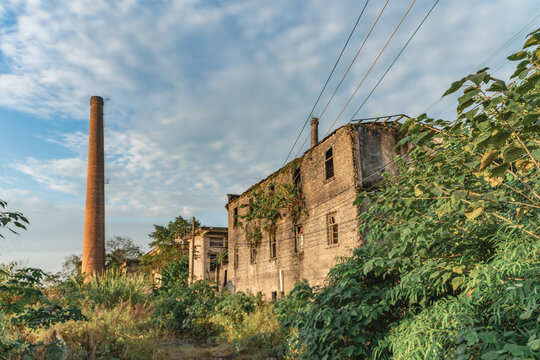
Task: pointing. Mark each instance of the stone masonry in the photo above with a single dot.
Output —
(331, 174)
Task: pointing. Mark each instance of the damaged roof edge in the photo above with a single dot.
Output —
(358, 123)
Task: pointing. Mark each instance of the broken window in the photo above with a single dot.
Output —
(332, 229)
(329, 164)
(252, 252)
(235, 216)
(213, 261)
(297, 177)
(273, 246)
(236, 257)
(216, 242)
(299, 239)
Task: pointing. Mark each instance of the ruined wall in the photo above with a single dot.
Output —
(200, 264)
(321, 197)
(376, 150)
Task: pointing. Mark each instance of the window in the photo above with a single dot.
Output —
(235, 216)
(252, 252)
(213, 261)
(329, 164)
(236, 257)
(297, 177)
(273, 246)
(224, 277)
(299, 239)
(274, 295)
(332, 229)
(216, 242)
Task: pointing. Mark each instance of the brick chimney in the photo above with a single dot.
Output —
(93, 260)
(314, 131)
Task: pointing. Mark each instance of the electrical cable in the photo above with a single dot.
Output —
(354, 59)
(396, 58)
(327, 80)
(371, 67)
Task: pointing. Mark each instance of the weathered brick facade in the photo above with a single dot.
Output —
(205, 259)
(332, 172)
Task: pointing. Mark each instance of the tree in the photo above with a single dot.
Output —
(11, 217)
(164, 242)
(118, 250)
(451, 264)
(72, 266)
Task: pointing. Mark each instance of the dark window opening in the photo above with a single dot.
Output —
(299, 239)
(329, 164)
(235, 216)
(332, 229)
(217, 241)
(224, 277)
(236, 257)
(297, 178)
(273, 246)
(252, 253)
(274, 295)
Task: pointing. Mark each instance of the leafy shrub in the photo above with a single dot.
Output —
(186, 309)
(175, 274)
(119, 332)
(25, 308)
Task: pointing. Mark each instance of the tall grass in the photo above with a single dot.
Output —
(114, 287)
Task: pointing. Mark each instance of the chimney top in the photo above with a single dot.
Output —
(314, 131)
(96, 99)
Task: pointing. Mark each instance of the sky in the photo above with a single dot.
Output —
(205, 98)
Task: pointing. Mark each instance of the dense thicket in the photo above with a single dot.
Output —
(451, 262)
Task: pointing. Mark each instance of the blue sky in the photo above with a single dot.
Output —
(205, 97)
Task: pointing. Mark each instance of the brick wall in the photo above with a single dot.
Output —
(356, 150)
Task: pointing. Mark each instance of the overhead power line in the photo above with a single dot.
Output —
(327, 80)
(371, 67)
(395, 59)
(354, 59)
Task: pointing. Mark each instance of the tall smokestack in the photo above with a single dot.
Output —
(93, 261)
(314, 131)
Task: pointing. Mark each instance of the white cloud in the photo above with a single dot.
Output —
(206, 99)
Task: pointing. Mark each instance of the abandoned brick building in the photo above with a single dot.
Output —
(298, 221)
(207, 253)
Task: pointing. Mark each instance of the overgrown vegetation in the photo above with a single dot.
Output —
(451, 264)
(268, 204)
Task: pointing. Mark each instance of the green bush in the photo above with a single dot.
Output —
(186, 309)
(175, 274)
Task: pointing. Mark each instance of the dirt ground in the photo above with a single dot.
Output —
(181, 350)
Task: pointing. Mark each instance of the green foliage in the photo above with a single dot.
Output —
(114, 287)
(265, 208)
(175, 274)
(164, 241)
(185, 309)
(451, 264)
(118, 250)
(11, 217)
(25, 308)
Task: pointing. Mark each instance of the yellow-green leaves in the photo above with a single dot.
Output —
(474, 212)
(488, 158)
